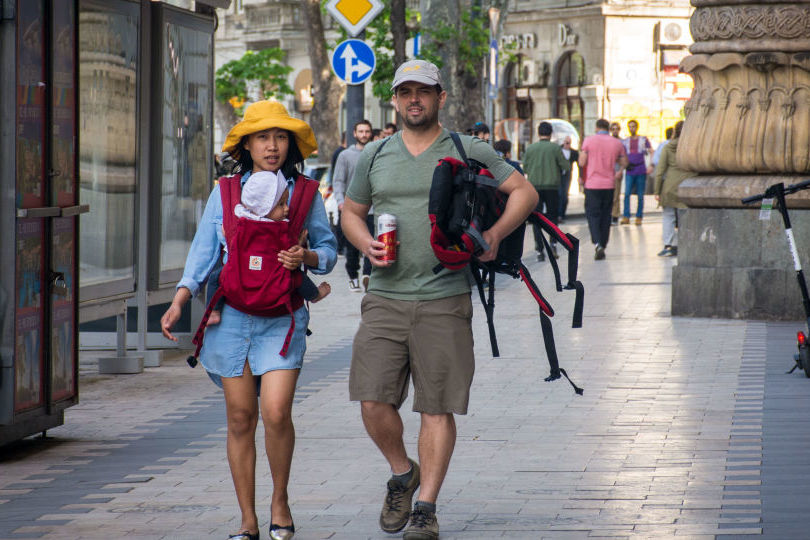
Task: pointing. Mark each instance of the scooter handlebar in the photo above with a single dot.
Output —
(771, 191)
(805, 184)
(753, 198)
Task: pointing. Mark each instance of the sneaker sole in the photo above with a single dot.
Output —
(391, 530)
(413, 535)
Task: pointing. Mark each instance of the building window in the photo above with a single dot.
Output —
(108, 68)
(186, 132)
(570, 77)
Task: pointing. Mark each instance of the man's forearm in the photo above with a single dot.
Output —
(355, 229)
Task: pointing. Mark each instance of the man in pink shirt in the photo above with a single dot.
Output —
(597, 159)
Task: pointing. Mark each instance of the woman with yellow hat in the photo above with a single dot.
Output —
(241, 353)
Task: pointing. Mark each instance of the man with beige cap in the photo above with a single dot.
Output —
(416, 323)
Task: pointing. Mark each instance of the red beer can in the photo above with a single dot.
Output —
(387, 234)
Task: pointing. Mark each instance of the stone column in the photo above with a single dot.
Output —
(747, 126)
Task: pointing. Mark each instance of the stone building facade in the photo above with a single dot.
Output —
(584, 60)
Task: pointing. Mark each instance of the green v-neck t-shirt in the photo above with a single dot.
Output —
(398, 183)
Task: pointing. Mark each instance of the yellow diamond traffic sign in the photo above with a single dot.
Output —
(354, 15)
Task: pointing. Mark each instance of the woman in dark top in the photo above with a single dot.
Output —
(565, 181)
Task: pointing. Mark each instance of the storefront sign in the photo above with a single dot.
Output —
(521, 41)
(565, 36)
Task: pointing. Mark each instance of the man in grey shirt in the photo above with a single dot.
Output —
(344, 170)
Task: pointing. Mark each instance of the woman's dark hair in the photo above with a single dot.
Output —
(291, 167)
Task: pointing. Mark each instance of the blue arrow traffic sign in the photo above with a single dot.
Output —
(353, 61)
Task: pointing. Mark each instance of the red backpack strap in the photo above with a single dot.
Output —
(230, 191)
(303, 195)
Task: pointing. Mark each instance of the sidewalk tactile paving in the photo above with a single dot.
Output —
(670, 439)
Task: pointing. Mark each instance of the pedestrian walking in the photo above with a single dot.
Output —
(615, 130)
(504, 149)
(668, 176)
(389, 129)
(338, 232)
(660, 148)
(415, 321)
(241, 353)
(565, 179)
(598, 159)
(638, 149)
(545, 163)
(480, 130)
(344, 169)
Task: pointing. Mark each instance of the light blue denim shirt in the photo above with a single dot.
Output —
(209, 238)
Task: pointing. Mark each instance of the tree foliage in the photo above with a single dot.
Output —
(470, 37)
(262, 69)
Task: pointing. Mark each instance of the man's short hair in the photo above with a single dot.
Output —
(479, 127)
(602, 124)
(361, 122)
(632, 121)
(669, 131)
(503, 146)
(391, 125)
(545, 129)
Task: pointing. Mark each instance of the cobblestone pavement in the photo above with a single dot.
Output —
(687, 428)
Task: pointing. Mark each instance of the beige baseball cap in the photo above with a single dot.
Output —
(420, 71)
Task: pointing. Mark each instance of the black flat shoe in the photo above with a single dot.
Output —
(277, 532)
(244, 535)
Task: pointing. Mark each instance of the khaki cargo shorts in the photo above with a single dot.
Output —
(430, 340)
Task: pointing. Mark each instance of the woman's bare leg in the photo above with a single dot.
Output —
(243, 413)
(278, 389)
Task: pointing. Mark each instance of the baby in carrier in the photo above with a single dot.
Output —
(264, 198)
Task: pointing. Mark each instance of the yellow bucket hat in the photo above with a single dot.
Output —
(270, 114)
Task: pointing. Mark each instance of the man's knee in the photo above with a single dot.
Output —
(438, 420)
(372, 409)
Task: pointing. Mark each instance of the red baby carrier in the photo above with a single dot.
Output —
(465, 202)
(252, 280)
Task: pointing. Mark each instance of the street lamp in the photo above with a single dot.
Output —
(492, 83)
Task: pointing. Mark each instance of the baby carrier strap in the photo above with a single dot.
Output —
(230, 192)
(571, 245)
(302, 197)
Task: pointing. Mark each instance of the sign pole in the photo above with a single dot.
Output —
(355, 104)
(492, 76)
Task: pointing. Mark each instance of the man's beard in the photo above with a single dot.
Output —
(427, 121)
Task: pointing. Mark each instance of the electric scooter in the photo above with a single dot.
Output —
(778, 192)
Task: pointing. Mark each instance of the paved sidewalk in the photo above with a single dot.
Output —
(687, 428)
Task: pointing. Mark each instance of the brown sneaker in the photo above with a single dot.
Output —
(625, 221)
(638, 221)
(397, 506)
(424, 525)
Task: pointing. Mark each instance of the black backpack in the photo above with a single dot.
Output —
(464, 202)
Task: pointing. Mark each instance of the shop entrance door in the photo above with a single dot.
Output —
(45, 354)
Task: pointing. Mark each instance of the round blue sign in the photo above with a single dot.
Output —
(353, 61)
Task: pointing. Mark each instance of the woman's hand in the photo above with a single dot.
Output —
(172, 314)
(292, 258)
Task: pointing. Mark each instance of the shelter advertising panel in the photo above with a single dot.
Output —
(29, 324)
(30, 193)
